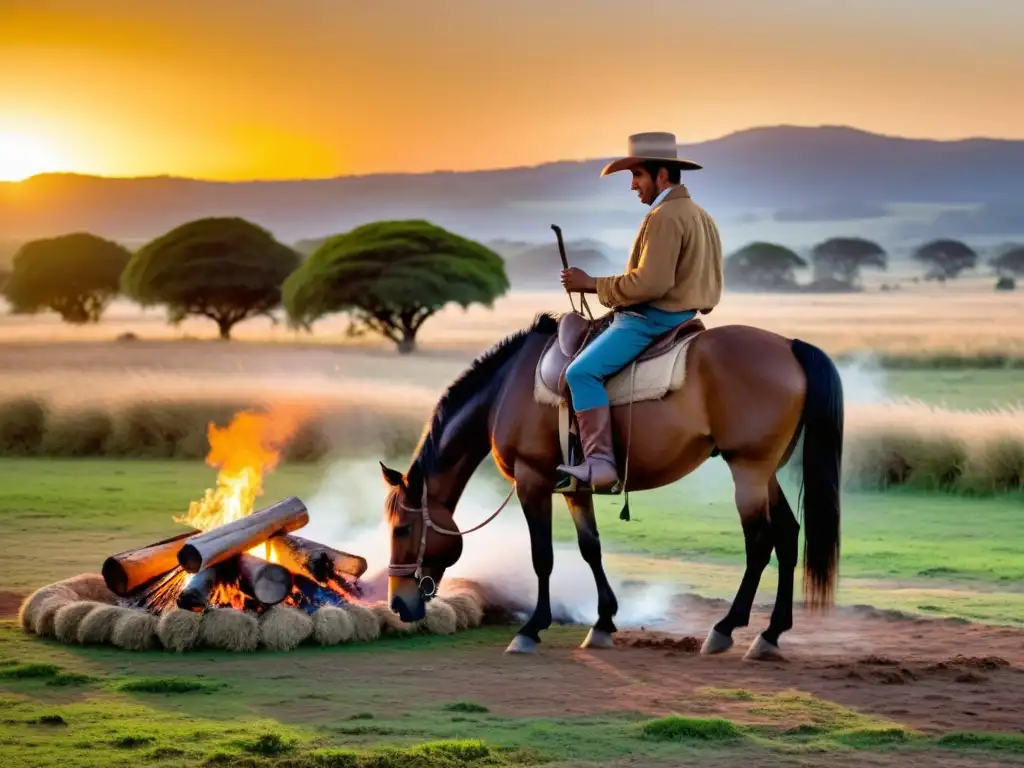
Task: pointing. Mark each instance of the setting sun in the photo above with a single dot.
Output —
(22, 156)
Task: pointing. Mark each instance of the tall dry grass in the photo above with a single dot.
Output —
(76, 392)
(898, 444)
(913, 444)
(964, 318)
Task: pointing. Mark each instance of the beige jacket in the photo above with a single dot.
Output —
(676, 261)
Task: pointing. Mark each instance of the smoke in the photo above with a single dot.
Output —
(346, 512)
(864, 380)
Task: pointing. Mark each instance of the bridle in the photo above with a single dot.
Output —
(416, 569)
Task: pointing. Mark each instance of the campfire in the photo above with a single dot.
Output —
(237, 578)
(232, 556)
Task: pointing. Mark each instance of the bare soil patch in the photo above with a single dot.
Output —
(934, 676)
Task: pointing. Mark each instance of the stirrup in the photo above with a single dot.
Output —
(567, 483)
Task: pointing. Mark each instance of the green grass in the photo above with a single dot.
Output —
(898, 534)
(968, 388)
(79, 707)
(950, 555)
(939, 555)
(254, 720)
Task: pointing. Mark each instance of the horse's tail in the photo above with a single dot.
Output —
(822, 468)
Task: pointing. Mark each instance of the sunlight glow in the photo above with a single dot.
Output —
(22, 156)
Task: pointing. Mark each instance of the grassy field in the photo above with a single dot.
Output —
(959, 390)
(918, 319)
(88, 707)
(387, 705)
(948, 555)
(97, 706)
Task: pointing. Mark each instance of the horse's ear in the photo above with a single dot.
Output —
(391, 476)
(414, 480)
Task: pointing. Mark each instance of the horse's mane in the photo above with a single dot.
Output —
(477, 380)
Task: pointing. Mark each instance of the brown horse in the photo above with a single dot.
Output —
(748, 395)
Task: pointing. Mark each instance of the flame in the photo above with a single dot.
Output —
(243, 452)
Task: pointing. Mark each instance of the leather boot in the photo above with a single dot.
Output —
(598, 470)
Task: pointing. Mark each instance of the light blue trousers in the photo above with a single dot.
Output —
(614, 349)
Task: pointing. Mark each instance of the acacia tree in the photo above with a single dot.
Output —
(1010, 262)
(226, 269)
(766, 266)
(946, 258)
(391, 276)
(1009, 265)
(842, 258)
(75, 275)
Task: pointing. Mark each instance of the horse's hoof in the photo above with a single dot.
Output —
(716, 642)
(762, 650)
(522, 644)
(598, 638)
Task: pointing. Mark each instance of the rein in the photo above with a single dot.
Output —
(416, 569)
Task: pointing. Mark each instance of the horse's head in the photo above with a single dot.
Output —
(424, 542)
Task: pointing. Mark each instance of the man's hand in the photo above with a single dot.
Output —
(575, 280)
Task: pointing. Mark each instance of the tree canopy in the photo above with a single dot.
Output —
(75, 275)
(946, 258)
(1010, 262)
(391, 276)
(226, 269)
(765, 266)
(842, 258)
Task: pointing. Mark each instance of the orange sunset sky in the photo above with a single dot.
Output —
(226, 89)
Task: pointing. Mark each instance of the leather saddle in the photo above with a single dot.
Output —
(576, 333)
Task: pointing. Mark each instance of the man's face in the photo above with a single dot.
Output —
(644, 186)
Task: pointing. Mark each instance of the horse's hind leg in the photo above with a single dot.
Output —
(785, 536)
(581, 507)
(751, 480)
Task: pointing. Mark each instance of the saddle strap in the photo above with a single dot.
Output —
(629, 430)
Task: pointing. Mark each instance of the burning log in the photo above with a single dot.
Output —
(126, 572)
(320, 561)
(197, 594)
(269, 583)
(162, 591)
(234, 538)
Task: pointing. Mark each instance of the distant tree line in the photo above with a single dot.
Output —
(389, 276)
(837, 263)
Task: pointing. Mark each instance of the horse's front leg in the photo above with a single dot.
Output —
(581, 507)
(535, 498)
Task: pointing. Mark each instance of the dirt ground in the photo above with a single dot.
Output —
(935, 676)
(931, 675)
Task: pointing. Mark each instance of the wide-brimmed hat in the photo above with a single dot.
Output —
(654, 145)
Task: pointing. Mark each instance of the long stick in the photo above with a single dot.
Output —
(561, 246)
(565, 265)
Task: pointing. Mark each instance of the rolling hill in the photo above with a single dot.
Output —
(781, 174)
